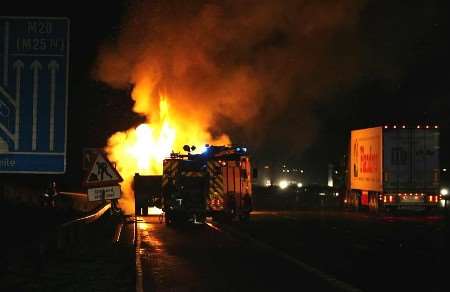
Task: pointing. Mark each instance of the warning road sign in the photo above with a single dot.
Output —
(102, 173)
(89, 156)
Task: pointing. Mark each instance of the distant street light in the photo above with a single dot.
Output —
(283, 184)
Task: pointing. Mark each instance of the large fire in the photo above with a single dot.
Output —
(143, 149)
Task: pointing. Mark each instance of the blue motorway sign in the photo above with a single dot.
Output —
(34, 66)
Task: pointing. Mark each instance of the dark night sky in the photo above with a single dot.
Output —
(405, 78)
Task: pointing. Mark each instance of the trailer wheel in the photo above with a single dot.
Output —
(373, 203)
(356, 203)
(376, 204)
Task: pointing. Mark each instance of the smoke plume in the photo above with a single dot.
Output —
(252, 66)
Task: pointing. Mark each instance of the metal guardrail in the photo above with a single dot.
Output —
(117, 232)
(69, 232)
(73, 194)
(88, 218)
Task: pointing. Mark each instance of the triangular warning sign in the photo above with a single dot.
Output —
(102, 173)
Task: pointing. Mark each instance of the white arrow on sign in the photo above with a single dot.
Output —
(5, 54)
(53, 66)
(18, 66)
(2, 127)
(35, 66)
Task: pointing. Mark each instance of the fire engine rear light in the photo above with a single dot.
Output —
(390, 199)
(385, 199)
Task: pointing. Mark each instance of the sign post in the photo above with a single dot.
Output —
(34, 66)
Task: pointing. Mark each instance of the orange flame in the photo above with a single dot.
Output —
(143, 149)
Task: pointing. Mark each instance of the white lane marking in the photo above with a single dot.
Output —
(320, 274)
(139, 280)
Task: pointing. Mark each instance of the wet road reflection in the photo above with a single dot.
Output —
(201, 258)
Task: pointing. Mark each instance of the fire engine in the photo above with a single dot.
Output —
(216, 183)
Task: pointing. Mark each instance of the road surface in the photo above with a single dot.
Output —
(319, 250)
(205, 258)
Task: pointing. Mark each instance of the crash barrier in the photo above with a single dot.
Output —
(78, 202)
(117, 232)
(32, 196)
(70, 232)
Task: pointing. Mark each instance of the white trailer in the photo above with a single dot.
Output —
(394, 167)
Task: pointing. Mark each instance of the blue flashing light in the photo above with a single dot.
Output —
(204, 149)
(238, 149)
